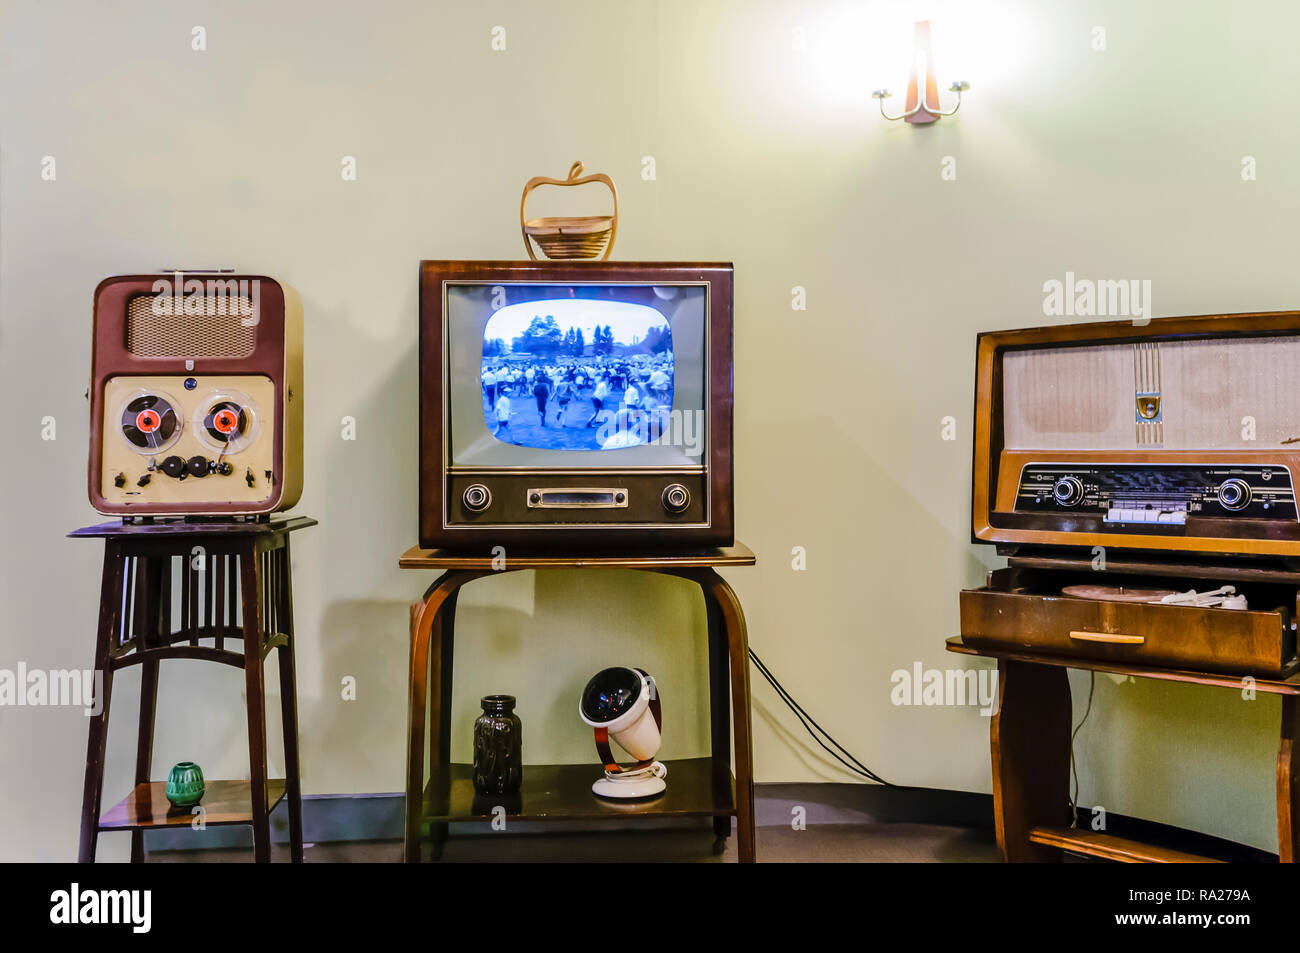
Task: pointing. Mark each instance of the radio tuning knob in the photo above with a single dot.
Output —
(676, 498)
(1234, 494)
(1067, 491)
(476, 498)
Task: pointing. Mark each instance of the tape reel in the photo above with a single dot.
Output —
(227, 421)
(149, 421)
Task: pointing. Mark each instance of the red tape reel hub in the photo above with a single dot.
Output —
(149, 422)
(225, 421)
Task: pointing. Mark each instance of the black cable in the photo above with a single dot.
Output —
(809, 723)
(1074, 773)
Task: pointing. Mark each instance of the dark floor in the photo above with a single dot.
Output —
(845, 843)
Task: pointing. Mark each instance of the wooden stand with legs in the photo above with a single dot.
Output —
(234, 584)
(1030, 735)
(699, 787)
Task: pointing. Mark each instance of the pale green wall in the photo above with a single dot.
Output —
(1116, 164)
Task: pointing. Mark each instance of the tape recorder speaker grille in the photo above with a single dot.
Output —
(200, 326)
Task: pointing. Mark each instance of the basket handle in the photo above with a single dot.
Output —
(575, 177)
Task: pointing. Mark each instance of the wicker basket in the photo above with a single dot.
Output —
(570, 237)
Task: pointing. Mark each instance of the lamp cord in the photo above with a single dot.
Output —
(815, 730)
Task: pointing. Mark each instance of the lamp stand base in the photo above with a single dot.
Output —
(636, 787)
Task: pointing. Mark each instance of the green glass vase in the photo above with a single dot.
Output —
(185, 784)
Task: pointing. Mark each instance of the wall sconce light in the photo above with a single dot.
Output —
(922, 91)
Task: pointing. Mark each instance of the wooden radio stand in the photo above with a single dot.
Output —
(1030, 741)
(697, 787)
(234, 584)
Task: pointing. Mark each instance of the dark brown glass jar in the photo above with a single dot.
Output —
(498, 751)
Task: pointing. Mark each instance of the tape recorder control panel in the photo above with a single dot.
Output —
(174, 440)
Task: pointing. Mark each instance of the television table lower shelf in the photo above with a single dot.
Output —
(697, 787)
(562, 792)
(1030, 747)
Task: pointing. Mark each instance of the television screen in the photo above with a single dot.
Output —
(564, 375)
(577, 374)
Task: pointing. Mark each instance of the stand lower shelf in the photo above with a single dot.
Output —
(224, 803)
(562, 792)
(1109, 847)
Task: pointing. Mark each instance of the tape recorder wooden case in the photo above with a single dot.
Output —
(195, 395)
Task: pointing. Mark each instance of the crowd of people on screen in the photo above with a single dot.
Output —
(626, 398)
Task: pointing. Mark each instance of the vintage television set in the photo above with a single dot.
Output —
(584, 406)
(196, 401)
(1141, 481)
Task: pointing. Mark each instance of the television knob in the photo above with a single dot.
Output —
(173, 466)
(476, 498)
(1067, 491)
(1234, 494)
(676, 498)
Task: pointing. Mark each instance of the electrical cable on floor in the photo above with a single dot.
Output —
(1074, 774)
(856, 767)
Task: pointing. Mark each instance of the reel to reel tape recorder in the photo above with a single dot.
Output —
(196, 395)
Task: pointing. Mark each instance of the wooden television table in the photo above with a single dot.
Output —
(699, 787)
(1030, 740)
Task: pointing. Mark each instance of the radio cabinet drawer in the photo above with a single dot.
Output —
(1021, 609)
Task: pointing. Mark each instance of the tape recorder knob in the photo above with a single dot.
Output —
(173, 466)
(676, 498)
(1067, 491)
(1234, 494)
(198, 466)
(476, 498)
